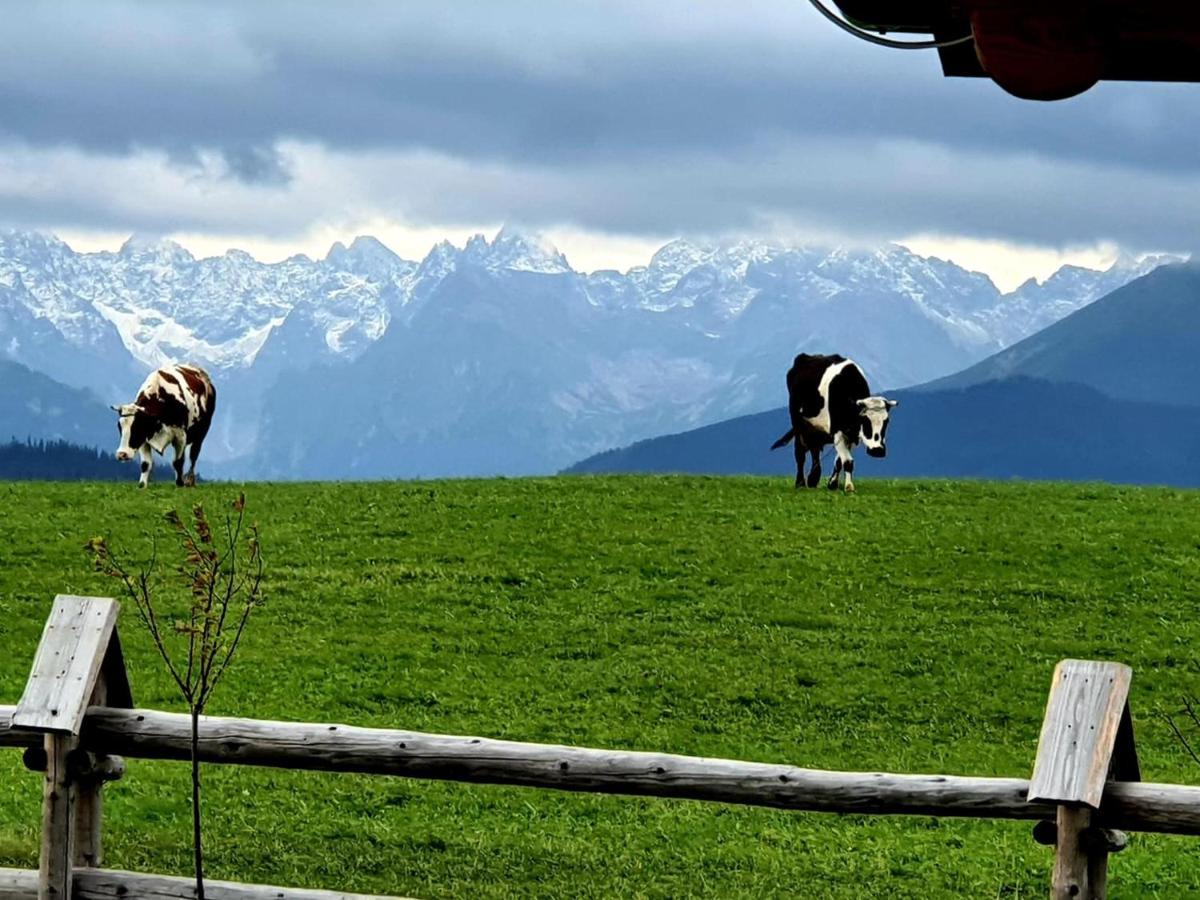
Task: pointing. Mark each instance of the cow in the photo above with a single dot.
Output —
(829, 402)
(174, 408)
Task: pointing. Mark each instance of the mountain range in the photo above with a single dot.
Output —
(1140, 342)
(496, 357)
(1111, 392)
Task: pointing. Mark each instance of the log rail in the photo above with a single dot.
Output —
(112, 884)
(147, 734)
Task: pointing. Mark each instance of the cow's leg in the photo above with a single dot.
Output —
(832, 484)
(193, 454)
(147, 464)
(843, 451)
(799, 449)
(814, 475)
(177, 462)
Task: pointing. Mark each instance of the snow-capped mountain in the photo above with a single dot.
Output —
(503, 332)
(48, 325)
(514, 252)
(1034, 306)
(508, 361)
(164, 305)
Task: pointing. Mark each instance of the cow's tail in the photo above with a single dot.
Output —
(785, 440)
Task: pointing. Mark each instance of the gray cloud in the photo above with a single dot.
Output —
(520, 81)
(828, 189)
(621, 115)
(257, 165)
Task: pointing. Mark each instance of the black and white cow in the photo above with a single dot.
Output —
(174, 408)
(829, 402)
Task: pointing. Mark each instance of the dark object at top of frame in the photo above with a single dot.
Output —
(1048, 50)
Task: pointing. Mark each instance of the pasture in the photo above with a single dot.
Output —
(911, 628)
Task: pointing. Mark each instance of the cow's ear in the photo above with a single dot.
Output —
(862, 404)
(892, 403)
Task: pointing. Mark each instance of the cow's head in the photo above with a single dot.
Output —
(873, 413)
(136, 426)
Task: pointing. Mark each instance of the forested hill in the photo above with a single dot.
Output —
(57, 461)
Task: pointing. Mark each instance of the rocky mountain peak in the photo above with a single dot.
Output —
(147, 246)
(369, 256)
(515, 251)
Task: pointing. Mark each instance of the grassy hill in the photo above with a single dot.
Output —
(911, 628)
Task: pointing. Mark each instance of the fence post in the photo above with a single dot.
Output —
(1086, 741)
(77, 655)
(111, 690)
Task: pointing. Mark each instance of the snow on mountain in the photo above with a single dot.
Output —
(368, 257)
(166, 305)
(515, 252)
(220, 311)
(49, 328)
(966, 304)
(45, 269)
(504, 360)
(572, 361)
(1034, 306)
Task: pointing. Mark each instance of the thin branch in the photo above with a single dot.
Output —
(1182, 738)
(139, 591)
(209, 637)
(231, 589)
(191, 641)
(251, 602)
(1189, 705)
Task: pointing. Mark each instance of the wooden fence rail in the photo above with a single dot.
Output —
(147, 734)
(113, 884)
(75, 722)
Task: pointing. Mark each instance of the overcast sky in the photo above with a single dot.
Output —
(610, 126)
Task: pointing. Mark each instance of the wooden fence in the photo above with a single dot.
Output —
(75, 722)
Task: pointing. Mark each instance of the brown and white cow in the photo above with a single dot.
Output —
(174, 408)
(829, 402)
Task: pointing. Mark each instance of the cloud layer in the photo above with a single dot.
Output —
(612, 116)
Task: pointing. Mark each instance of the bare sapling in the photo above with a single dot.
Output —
(1186, 719)
(196, 614)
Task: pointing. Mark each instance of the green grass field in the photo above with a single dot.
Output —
(910, 628)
